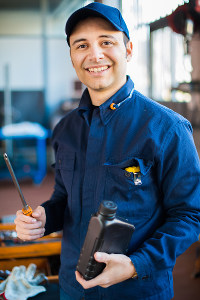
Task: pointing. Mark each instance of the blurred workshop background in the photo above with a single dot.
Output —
(38, 86)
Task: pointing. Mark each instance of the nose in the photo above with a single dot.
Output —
(96, 53)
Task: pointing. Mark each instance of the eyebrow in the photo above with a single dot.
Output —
(109, 36)
(101, 36)
(78, 41)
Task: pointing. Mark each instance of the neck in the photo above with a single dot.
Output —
(98, 97)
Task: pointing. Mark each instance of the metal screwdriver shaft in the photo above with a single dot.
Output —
(14, 179)
(27, 210)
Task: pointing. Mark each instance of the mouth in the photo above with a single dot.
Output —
(96, 70)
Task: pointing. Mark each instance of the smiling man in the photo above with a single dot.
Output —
(99, 56)
(114, 131)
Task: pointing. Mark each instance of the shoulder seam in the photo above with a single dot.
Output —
(170, 131)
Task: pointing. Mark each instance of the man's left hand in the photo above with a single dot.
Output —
(118, 268)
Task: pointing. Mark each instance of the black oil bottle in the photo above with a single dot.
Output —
(106, 233)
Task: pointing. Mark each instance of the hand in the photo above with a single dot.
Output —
(30, 228)
(118, 268)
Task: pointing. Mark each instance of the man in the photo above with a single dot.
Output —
(115, 127)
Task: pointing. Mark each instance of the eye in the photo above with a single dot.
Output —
(82, 46)
(107, 43)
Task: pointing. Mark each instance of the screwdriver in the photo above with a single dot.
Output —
(27, 210)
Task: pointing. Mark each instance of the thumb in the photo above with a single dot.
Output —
(102, 257)
(37, 213)
(40, 215)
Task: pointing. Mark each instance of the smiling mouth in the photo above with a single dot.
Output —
(97, 70)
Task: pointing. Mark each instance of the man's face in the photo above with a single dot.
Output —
(99, 55)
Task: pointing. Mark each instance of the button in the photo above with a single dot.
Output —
(92, 260)
(92, 264)
(145, 277)
(90, 269)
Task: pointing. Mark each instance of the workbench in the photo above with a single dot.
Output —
(16, 252)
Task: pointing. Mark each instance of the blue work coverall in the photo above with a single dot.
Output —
(93, 147)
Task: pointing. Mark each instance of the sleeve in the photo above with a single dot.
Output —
(55, 207)
(178, 174)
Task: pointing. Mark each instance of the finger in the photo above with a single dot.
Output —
(37, 213)
(33, 235)
(30, 271)
(102, 257)
(87, 284)
(27, 226)
(33, 232)
(30, 231)
(20, 217)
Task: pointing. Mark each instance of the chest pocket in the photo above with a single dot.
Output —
(133, 197)
(65, 162)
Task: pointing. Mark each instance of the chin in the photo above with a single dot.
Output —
(99, 85)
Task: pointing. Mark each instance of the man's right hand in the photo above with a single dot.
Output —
(31, 228)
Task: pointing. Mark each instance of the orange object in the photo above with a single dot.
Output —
(112, 106)
(27, 211)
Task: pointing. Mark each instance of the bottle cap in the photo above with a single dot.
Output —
(107, 208)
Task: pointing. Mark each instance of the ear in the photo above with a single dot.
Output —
(129, 50)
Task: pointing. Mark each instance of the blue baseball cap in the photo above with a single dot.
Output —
(95, 9)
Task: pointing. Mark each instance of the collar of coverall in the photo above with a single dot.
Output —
(105, 111)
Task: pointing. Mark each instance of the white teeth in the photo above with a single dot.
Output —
(95, 70)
